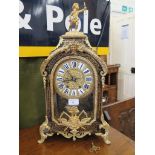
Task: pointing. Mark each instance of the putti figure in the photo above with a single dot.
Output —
(74, 19)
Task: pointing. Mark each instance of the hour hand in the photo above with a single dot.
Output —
(67, 80)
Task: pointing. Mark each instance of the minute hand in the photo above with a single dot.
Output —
(69, 74)
(74, 79)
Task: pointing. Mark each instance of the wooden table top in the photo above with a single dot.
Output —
(58, 145)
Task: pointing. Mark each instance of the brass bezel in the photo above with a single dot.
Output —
(70, 58)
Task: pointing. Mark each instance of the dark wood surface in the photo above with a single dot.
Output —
(111, 83)
(122, 116)
(58, 145)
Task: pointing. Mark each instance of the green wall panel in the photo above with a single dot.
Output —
(31, 92)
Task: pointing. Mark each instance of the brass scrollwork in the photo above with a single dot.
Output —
(73, 122)
(105, 126)
(44, 131)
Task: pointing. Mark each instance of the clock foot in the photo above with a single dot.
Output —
(44, 131)
(42, 139)
(104, 136)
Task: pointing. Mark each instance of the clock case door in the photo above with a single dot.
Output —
(89, 115)
(87, 105)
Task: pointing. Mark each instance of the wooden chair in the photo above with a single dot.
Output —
(121, 116)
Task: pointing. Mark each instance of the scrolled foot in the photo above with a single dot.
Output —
(106, 140)
(44, 131)
(40, 141)
(104, 137)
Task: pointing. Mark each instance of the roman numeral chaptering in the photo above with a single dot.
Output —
(74, 78)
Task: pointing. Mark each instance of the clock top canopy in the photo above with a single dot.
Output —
(75, 43)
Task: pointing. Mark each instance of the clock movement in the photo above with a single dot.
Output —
(73, 78)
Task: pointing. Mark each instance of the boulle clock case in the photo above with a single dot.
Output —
(73, 76)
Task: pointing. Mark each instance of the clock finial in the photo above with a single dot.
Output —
(74, 19)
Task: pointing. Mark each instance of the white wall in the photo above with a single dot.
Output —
(122, 50)
(116, 5)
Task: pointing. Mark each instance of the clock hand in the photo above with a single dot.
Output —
(69, 74)
(67, 80)
(77, 78)
(74, 79)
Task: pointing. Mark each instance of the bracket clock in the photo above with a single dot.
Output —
(73, 77)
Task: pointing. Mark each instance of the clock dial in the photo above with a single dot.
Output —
(74, 79)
